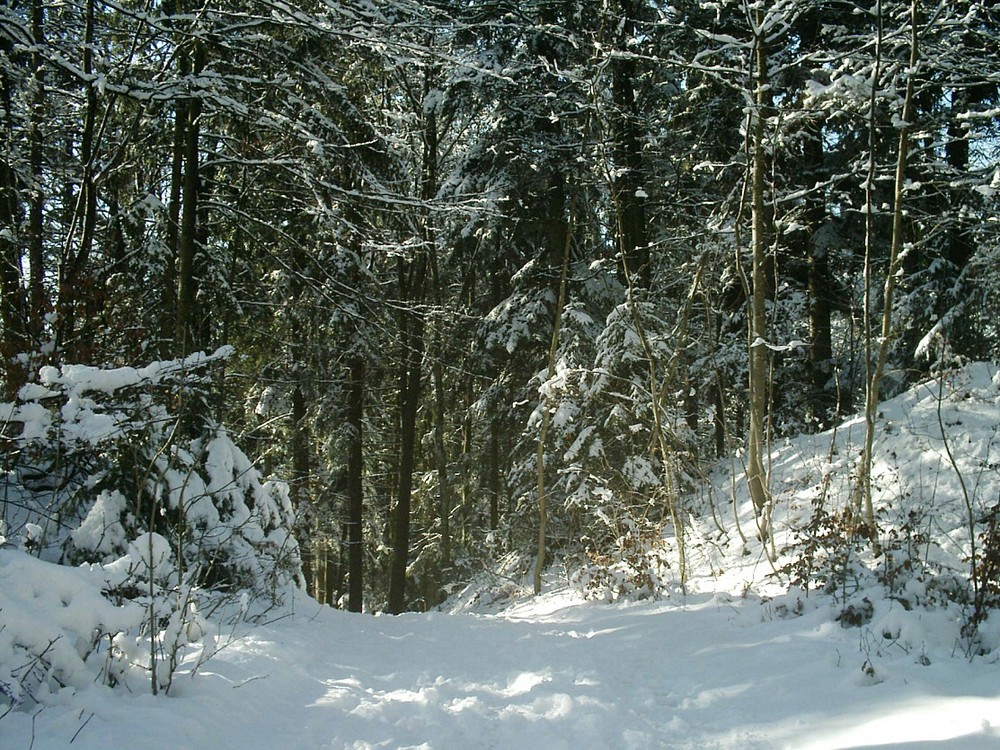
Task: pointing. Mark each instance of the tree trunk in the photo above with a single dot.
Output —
(756, 473)
(822, 399)
(321, 567)
(411, 282)
(37, 303)
(862, 496)
(74, 286)
(633, 240)
(355, 485)
(300, 445)
(960, 241)
(168, 311)
(300, 475)
(543, 508)
(493, 478)
(12, 300)
(187, 242)
(445, 490)
(411, 371)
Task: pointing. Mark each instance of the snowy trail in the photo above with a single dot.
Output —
(554, 674)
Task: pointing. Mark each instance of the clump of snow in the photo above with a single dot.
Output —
(101, 530)
(150, 554)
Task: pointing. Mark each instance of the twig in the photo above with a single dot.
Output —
(77, 732)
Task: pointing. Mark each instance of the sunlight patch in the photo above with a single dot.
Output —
(548, 707)
(706, 698)
(524, 683)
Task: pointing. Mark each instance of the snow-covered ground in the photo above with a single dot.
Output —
(736, 663)
(710, 672)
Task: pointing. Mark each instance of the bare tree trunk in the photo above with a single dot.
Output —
(862, 495)
(633, 240)
(355, 485)
(493, 479)
(12, 314)
(321, 566)
(168, 312)
(446, 492)
(411, 284)
(756, 474)
(819, 287)
(300, 474)
(187, 242)
(660, 438)
(37, 302)
(12, 299)
(412, 330)
(446, 499)
(74, 286)
(543, 508)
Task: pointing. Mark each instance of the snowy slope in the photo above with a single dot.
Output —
(736, 664)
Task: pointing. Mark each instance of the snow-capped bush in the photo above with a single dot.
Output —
(65, 627)
(114, 471)
(635, 567)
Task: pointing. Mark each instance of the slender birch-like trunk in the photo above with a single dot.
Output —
(862, 495)
(756, 474)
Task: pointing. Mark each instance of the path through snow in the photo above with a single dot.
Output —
(556, 673)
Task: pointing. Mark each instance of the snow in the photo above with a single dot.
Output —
(101, 530)
(738, 662)
(150, 555)
(711, 671)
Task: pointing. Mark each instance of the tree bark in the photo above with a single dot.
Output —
(862, 495)
(543, 508)
(37, 303)
(300, 471)
(493, 478)
(756, 473)
(446, 494)
(75, 288)
(411, 371)
(168, 312)
(355, 485)
(12, 299)
(187, 241)
(633, 240)
(822, 399)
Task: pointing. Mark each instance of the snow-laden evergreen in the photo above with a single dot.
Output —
(127, 512)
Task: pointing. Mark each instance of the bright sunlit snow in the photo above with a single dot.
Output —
(712, 672)
(739, 662)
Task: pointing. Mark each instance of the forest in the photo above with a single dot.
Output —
(367, 296)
